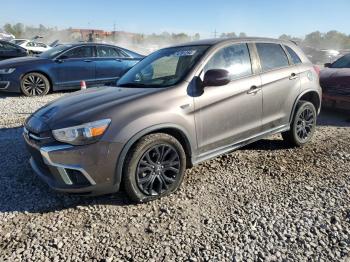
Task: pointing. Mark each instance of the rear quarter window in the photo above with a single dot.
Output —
(295, 58)
(272, 56)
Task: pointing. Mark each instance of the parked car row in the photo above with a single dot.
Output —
(64, 66)
(320, 56)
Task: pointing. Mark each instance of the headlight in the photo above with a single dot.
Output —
(7, 70)
(83, 134)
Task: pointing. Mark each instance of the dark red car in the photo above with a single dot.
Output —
(335, 82)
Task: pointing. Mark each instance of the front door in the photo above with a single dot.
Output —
(231, 113)
(74, 66)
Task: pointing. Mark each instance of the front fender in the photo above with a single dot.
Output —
(137, 136)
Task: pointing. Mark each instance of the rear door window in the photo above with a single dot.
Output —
(295, 58)
(108, 51)
(40, 45)
(272, 56)
(234, 58)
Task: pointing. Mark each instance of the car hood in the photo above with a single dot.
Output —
(82, 107)
(13, 62)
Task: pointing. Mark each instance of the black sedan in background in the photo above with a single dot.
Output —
(9, 50)
(335, 83)
(64, 66)
(335, 77)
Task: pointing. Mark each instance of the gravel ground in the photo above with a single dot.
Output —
(265, 202)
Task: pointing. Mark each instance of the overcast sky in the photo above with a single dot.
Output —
(256, 18)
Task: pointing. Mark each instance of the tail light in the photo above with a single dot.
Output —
(317, 69)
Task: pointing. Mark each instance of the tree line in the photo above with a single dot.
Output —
(329, 40)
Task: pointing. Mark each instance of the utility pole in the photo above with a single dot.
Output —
(114, 31)
(215, 33)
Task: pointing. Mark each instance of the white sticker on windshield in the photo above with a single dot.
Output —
(184, 53)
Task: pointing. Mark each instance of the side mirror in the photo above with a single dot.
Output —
(216, 77)
(327, 64)
(62, 57)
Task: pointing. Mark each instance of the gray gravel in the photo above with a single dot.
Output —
(14, 109)
(264, 202)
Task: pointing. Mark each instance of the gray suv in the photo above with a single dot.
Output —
(177, 107)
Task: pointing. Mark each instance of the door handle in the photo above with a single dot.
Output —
(254, 90)
(87, 60)
(118, 60)
(293, 76)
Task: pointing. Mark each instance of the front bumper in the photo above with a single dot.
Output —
(10, 83)
(4, 85)
(85, 170)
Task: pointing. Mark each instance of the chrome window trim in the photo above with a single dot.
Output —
(74, 47)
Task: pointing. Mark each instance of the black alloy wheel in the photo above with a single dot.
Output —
(158, 169)
(303, 124)
(154, 167)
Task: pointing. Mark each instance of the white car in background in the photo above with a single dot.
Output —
(6, 36)
(33, 47)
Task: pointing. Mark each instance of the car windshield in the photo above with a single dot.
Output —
(51, 53)
(343, 62)
(163, 68)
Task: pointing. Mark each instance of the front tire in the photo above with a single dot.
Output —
(35, 84)
(303, 125)
(154, 167)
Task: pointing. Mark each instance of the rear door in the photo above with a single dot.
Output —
(231, 113)
(75, 65)
(280, 85)
(111, 63)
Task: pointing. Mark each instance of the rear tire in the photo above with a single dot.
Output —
(303, 125)
(154, 167)
(35, 84)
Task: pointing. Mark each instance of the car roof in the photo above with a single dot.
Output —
(215, 41)
(130, 53)
(87, 43)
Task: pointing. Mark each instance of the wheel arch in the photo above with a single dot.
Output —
(174, 130)
(311, 96)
